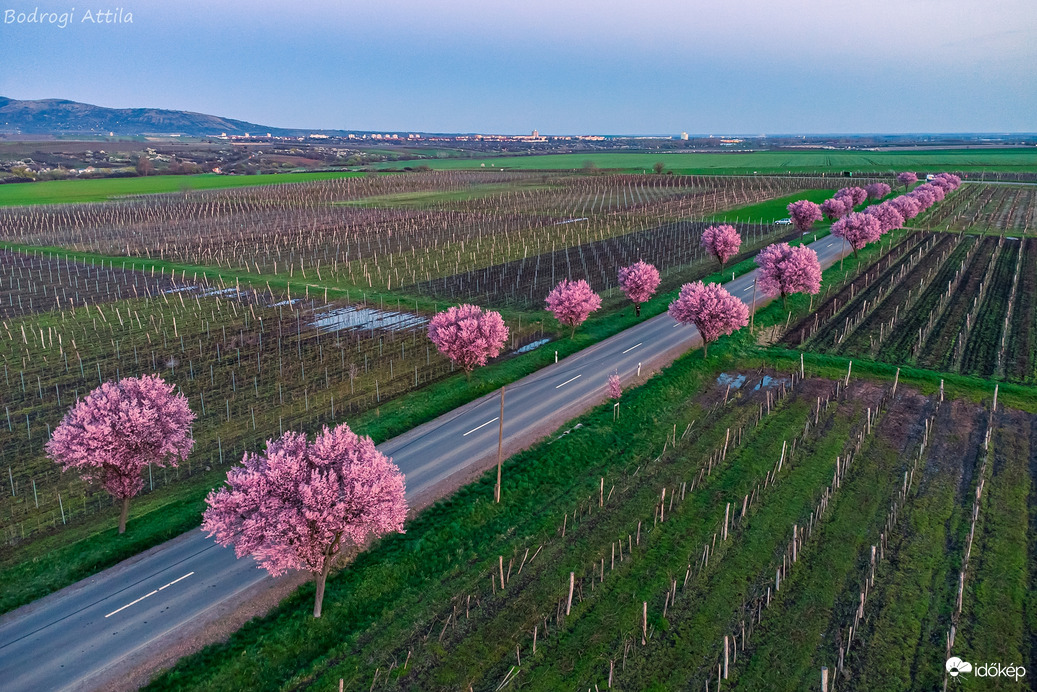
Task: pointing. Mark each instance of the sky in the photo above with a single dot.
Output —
(558, 66)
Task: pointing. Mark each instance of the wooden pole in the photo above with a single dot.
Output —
(572, 583)
(500, 447)
(824, 678)
(752, 310)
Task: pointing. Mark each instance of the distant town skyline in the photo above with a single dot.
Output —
(562, 68)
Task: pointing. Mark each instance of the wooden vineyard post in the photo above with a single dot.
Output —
(572, 583)
(500, 447)
(995, 397)
(644, 623)
(824, 678)
(849, 369)
(801, 370)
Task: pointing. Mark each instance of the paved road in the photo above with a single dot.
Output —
(71, 638)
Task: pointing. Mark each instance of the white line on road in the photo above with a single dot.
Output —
(146, 595)
(176, 580)
(568, 381)
(633, 347)
(676, 325)
(747, 289)
(480, 427)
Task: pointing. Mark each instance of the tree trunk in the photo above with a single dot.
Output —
(321, 578)
(123, 514)
(784, 301)
(572, 334)
(705, 349)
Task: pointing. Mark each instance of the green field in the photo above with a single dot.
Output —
(806, 161)
(101, 189)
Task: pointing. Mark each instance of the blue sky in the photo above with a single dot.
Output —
(560, 66)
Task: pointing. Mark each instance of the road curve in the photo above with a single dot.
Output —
(72, 638)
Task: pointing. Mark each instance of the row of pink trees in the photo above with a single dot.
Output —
(300, 505)
(860, 229)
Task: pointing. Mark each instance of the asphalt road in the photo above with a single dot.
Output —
(69, 639)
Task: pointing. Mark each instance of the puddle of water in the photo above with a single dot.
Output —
(765, 382)
(181, 289)
(338, 319)
(531, 346)
(559, 223)
(293, 301)
(735, 381)
(219, 292)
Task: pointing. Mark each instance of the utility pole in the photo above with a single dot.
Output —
(500, 446)
(752, 311)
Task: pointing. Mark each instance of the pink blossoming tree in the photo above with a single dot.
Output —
(907, 205)
(857, 229)
(877, 190)
(301, 505)
(907, 178)
(468, 335)
(947, 181)
(572, 301)
(120, 428)
(722, 242)
(836, 207)
(924, 195)
(856, 195)
(712, 310)
(614, 389)
(639, 282)
(888, 215)
(804, 213)
(786, 269)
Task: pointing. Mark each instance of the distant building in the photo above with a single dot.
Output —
(684, 136)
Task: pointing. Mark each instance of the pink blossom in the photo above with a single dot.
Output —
(856, 194)
(639, 282)
(836, 207)
(572, 301)
(907, 205)
(804, 213)
(877, 190)
(947, 181)
(120, 428)
(614, 388)
(786, 269)
(722, 242)
(888, 215)
(858, 230)
(907, 178)
(924, 195)
(467, 335)
(712, 310)
(300, 505)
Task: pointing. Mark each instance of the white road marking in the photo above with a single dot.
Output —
(480, 427)
(176, 580)
(118, 610)
(633, 347)
(676, 325)
(747, 289)
(568, 381)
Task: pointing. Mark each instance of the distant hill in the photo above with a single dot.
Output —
(61, 117)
